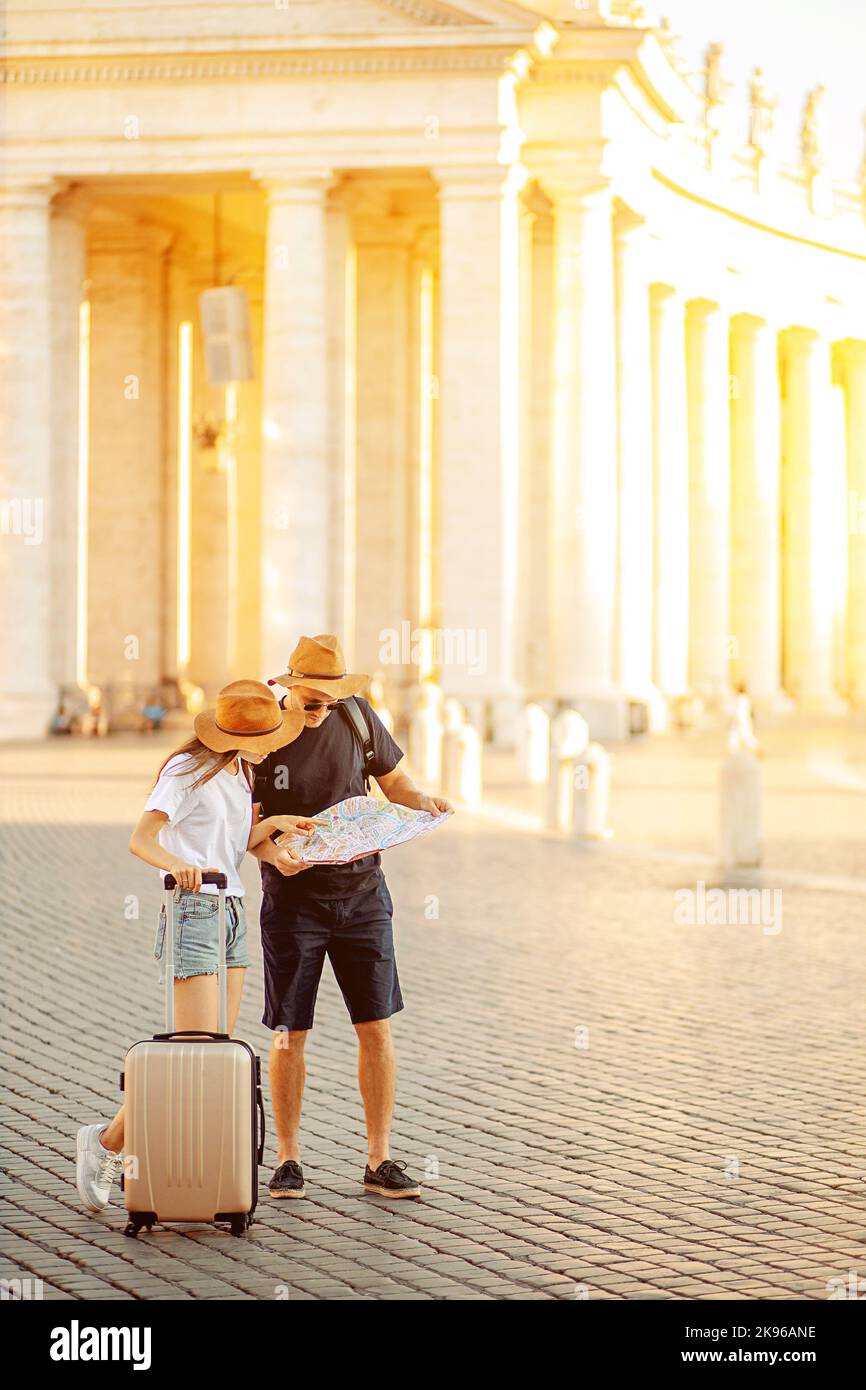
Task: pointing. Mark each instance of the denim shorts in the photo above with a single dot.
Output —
(196, 944)
(354, 933)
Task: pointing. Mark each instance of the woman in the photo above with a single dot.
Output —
(199, 818)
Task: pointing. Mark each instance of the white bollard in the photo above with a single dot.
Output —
(466, 764)
(425, 735)
(454, 716)
(569, 733)
(569, 736)
(560, 792)
(453, 720)
(534, 749)
(741, 730)
(740, 810)
(376, 692)
(592, 793)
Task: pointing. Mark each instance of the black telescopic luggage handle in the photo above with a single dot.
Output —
(218, 880)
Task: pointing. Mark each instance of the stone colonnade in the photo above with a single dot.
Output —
(497, 419)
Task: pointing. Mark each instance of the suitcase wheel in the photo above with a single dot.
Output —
(241, 1224)
(137, 1220)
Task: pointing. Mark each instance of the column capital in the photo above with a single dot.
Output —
(567, 190)
(477, 181)
(747, 325)
(798, 335)
(704, 308)
(570, 175)
(28, 192)
(662, 293)
(852, 350)
(295, 185)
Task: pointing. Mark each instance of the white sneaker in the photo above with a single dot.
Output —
(95, 1168)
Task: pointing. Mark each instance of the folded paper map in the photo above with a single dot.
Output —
(361, 825)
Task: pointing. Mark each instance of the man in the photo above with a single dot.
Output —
(339, 910)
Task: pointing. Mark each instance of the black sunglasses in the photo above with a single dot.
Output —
(322, 704)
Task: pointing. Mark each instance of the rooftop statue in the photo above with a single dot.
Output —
(762, 112)
(716, 88)
(814, 135)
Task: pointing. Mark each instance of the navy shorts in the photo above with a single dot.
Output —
(357, 936)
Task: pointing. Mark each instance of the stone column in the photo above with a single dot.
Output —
(68, 269)
(634, 608)
(755, 507)
(29, 524)
(528, 613)
(479, 435)
(708, 370)
(539, 453)
(670, 493)
(383, 373)
(126, 272)
(809, 506)
(341, 280)
(422, 453)
(583, 543)
(297, 554)
(852, 356)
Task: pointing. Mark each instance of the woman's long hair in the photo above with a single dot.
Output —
(200, 758)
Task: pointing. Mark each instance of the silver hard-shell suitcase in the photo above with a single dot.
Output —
(195, 1122)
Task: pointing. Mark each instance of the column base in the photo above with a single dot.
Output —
(25, 716)
(776, 703)
(657, 714)
(504, 720)
(822, 702)
(612, 715)
(496, 717)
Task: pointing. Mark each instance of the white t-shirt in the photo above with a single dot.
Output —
(209, 826)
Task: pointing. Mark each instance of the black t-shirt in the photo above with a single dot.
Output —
(323, 766)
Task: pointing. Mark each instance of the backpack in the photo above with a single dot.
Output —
(357, 721)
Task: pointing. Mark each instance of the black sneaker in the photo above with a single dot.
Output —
(288, 1180)
(390, 1180)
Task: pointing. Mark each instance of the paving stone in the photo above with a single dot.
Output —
(700, 1142)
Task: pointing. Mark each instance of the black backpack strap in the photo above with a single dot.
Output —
(357, 721)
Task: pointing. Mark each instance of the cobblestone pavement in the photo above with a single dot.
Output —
(607, 1104)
